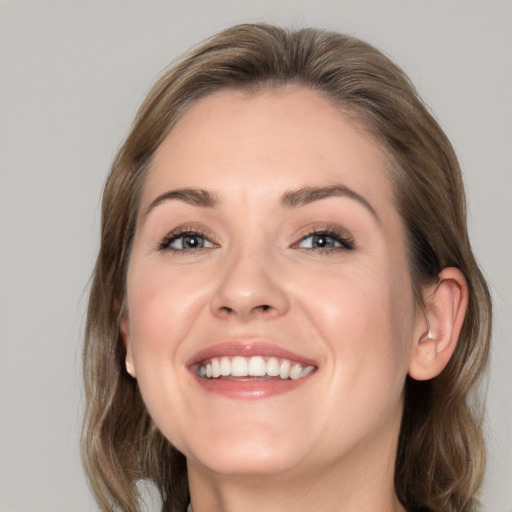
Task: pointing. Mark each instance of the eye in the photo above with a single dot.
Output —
(327, 240)
(185, 241)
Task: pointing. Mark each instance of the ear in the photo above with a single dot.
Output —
(445, 308)
(124, 328)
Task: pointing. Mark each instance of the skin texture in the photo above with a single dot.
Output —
(329, 443)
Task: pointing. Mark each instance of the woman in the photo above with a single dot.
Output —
(286, 313)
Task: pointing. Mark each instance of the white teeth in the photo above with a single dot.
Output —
(306, 371)
(238, 367)
(215, 368)
(284, 372)
(256, 366)
(295, 371)
(225, 366)
(273, 367)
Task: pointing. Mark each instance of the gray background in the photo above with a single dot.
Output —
(71, 78)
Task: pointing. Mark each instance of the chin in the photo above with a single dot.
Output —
(255, 465)
(252, 451)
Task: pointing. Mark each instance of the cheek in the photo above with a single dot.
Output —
(163, 307)
(365, 315)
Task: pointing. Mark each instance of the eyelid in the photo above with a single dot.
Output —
(164, 243)
(339, 234)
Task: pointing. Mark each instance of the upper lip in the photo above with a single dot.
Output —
(234, 348)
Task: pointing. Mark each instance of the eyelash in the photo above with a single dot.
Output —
(165, 244)
(344, 239)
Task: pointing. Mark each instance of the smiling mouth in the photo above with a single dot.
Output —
(252, 368)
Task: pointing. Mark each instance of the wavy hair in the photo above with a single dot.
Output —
(441, 454)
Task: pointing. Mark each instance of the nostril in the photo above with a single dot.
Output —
(264, 307)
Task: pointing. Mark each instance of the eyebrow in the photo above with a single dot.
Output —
(193, 196)
(306, 195)
(290, 199)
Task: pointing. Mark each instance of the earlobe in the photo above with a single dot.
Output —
(130, 369)
(445, 308)
(125, 335)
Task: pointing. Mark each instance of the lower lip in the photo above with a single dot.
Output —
(250, 389)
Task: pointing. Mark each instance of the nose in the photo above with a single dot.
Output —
(250, 287)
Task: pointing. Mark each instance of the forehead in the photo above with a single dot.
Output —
(284, 137)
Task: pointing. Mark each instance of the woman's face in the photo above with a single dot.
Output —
(271, 315)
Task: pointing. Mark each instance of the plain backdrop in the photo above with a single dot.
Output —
(72, 75)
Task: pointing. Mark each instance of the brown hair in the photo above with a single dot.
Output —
(441, 453)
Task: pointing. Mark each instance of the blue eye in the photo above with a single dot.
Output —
(185, 241)
(326, 240)
(319, 242)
